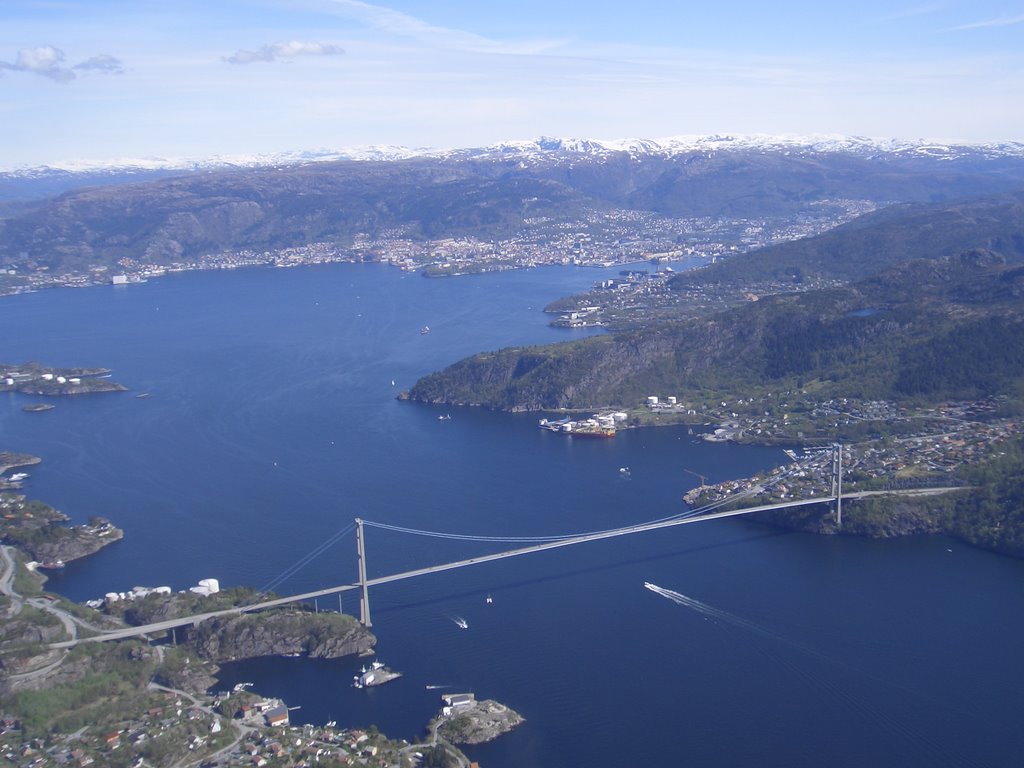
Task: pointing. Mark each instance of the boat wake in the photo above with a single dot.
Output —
(845, 690)
(460, 622)
(437, 687)
(724, 616)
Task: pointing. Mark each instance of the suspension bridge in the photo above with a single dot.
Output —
(534, 544)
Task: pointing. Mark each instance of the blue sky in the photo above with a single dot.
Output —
(106, 79)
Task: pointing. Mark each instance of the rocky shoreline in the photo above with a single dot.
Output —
(9, 460)
(474, 722)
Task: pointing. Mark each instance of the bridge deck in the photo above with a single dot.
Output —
(163, 626)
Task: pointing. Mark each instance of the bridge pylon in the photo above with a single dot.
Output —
(837, 481)
(364, 599)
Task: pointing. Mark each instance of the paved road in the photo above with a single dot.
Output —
(7, 582)
(905, 492)
(17, 601)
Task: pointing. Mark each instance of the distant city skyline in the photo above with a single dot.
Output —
(100, 80)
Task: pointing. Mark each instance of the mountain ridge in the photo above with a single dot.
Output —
(547, 146)
(180, 218)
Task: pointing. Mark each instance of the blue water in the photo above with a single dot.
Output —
(272, 422)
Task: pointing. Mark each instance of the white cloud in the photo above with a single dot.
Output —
(47, 61)
(286, 50)
(44, 60)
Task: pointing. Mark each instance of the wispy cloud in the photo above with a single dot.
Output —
(1002, 21)
(284, 51)
(47, 61)
(913, 12)
(104, 64)
(393, 22)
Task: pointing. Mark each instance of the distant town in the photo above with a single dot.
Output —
(598, 239)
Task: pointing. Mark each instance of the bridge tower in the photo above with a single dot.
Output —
(837, 481)
(364, 600)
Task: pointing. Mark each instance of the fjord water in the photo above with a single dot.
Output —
(272, 422)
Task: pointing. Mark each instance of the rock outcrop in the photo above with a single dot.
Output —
(480, 722)
(67, 544)
(317, 635)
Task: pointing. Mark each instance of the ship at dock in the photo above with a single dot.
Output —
(598, 425)
(377, 674)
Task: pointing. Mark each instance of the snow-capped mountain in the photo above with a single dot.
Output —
(793, 144)
(548, 149)
(379, 152)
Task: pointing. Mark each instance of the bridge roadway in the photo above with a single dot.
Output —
(163, 626)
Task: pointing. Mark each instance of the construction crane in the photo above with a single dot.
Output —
(698, 475)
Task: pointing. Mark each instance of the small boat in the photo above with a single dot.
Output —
(489, 600)
(460, 622)
(445, 417)
(292, 655)
(424, 330)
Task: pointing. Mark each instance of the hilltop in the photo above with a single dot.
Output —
(877, 241)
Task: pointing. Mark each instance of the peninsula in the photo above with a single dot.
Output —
(909, 355)
(39, 531)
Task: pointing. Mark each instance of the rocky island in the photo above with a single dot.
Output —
(38, 407)
(38, 379)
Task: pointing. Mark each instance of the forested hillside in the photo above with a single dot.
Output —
(878, 241)
(927, 330)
